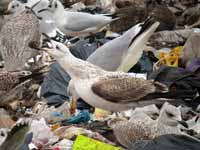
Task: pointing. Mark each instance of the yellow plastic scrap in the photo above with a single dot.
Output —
(85, 143)
(171, 58)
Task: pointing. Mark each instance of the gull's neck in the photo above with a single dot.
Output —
(59, 12)
(77, 68)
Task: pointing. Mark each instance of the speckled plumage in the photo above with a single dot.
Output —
(115, 88)
(5, 119)
(97, 87)
(9, 80)
(128, 132)
(14, 38)
(144, 128)
(105, 83)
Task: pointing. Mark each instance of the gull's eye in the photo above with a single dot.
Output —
(13, 6)
(169, 114)
(56, 5)
(50, 6)
(57, 47)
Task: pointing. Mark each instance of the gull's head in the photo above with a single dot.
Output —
(54, 5)
(171, 115)
(55, 49)
(16, 6)
(36, 6)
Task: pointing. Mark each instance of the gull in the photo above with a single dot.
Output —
(113, 55)
(46, 23)
(76, 23)
(14, 38)
(112, 91)
(121, 53)
(15, 7)
(145, 128)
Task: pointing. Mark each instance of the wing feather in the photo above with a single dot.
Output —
(80, 21)
(123, 89)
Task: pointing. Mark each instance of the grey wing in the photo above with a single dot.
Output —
(78, 21)
(123, 89)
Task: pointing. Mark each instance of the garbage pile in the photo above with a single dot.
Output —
(99, 74)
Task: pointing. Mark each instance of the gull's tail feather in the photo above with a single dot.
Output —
(144, 26)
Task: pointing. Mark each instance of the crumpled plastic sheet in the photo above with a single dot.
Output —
(42, 135)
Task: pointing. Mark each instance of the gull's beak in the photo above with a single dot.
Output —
(183, 123)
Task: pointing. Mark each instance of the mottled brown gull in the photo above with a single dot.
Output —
(145, 128)
(121, 53)
(14, 38)
(113, 91)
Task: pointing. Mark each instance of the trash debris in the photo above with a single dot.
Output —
(191, 48)
(170, 58)
(99, 74)
(83, 142)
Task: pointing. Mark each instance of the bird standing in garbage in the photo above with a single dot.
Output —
(122, 53)
(113, 91)
(145, 128)
(76, 23)
(14, 38)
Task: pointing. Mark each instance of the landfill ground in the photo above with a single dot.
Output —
(99, 74)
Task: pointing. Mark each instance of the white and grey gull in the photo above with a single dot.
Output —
(76, 23)
(113, 91)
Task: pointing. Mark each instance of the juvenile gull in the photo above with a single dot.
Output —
(145, 128)
(9, 80)
(113, 91)
(121, 53)
(16, 7)
(14, 38)
(76, 23)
